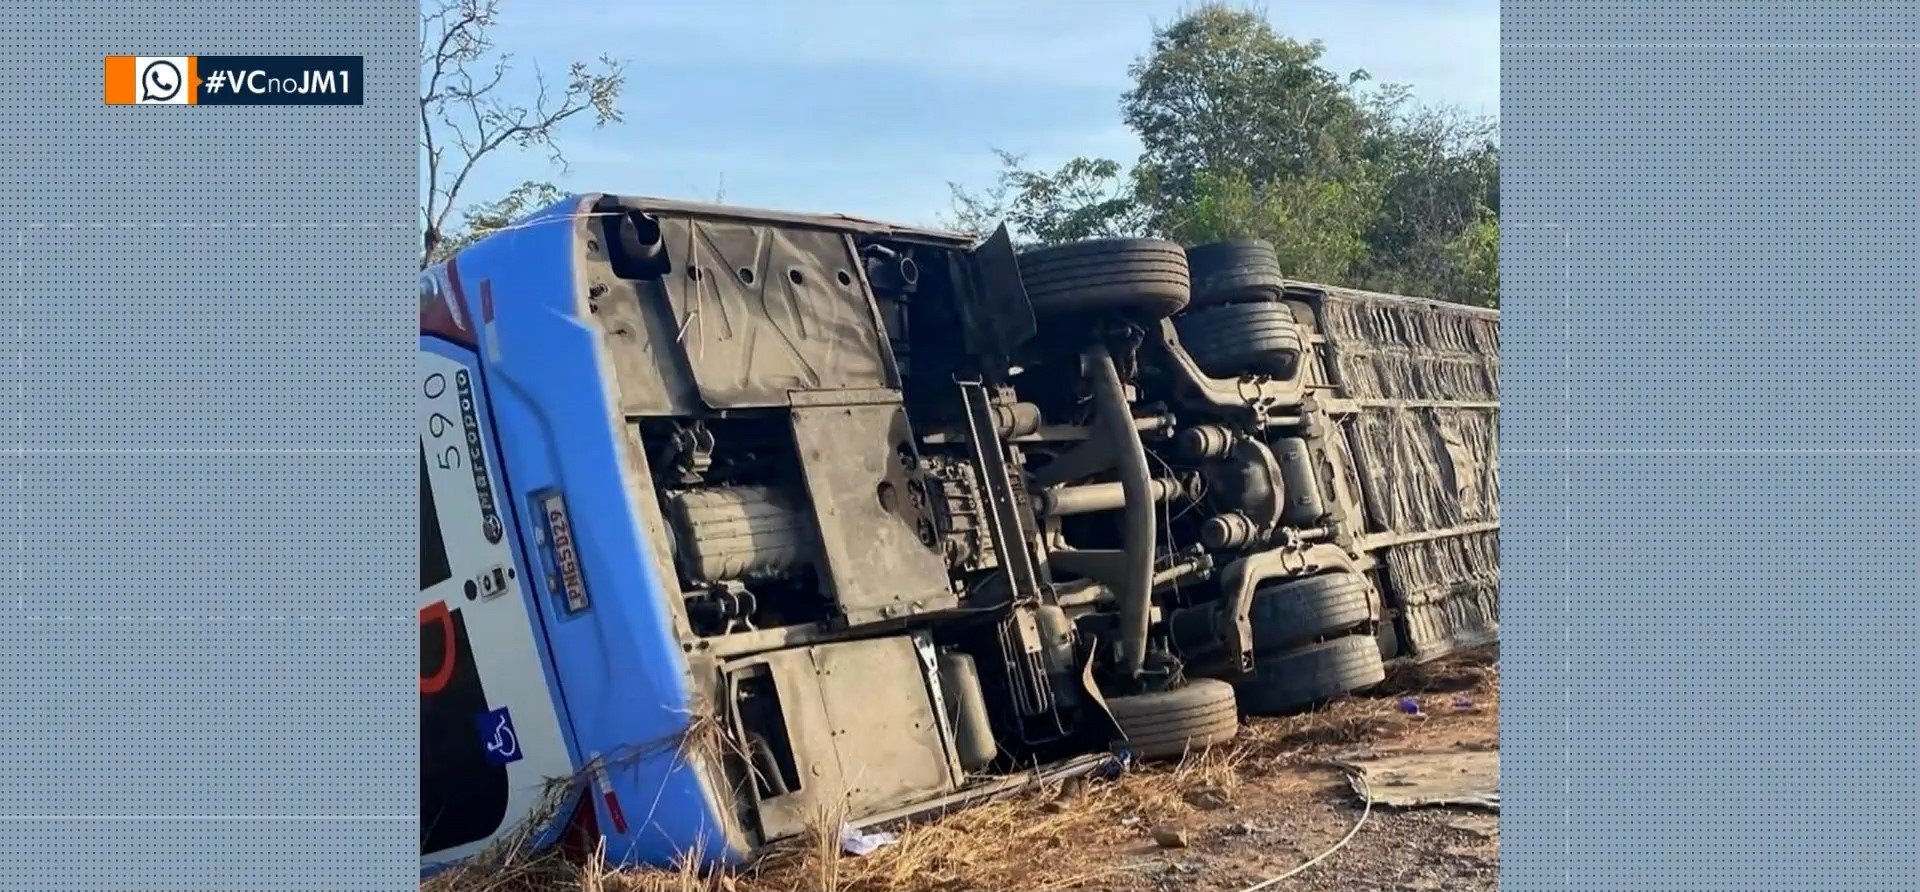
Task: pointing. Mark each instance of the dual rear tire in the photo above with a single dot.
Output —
(1149, 278)
(1311, 644)
(1236, 324)
(1226, 296)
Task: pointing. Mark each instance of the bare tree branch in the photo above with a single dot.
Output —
(467, 112)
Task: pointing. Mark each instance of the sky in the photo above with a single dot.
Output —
(871, 108)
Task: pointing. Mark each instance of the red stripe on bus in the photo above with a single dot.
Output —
(613, 811)
(441, 320)
(438, 613)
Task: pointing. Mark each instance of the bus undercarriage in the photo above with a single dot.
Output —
(923, 511)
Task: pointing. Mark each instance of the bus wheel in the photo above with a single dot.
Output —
(1294, 680)
(1285, 615)
(1165, 724)
(1242, 339)
(1233, 271)
(1143, 279)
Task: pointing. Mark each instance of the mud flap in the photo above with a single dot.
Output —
(1111, 727)
(996, 318)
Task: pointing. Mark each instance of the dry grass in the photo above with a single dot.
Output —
(1069, 827)
(1066, 835)
(1465, 672)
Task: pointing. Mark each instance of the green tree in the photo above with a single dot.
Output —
(1085, 198)
(1475, 258)
(1245, 133)
(1315, 225)
(1440, 171)
(1218, 90)
(493, 216)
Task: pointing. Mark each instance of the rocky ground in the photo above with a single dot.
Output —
(1231, 820)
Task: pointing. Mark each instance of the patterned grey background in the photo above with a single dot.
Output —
(207, 515)
(1710, 539)
(1712, 356)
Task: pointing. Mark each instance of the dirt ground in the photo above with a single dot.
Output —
(1229, 820)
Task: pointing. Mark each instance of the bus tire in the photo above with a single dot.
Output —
(1286, 615)
(1168, 724)
(1294, 680)
(1242, 339)
(1144, 279)
(1236, 270)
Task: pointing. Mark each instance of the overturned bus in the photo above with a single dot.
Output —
(737, 521)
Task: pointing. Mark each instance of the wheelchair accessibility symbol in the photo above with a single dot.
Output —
(497, 736)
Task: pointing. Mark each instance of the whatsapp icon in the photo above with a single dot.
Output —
(160, 82)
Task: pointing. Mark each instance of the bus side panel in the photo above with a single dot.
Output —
(492, 723)
(606, 612)
(1421, 380)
